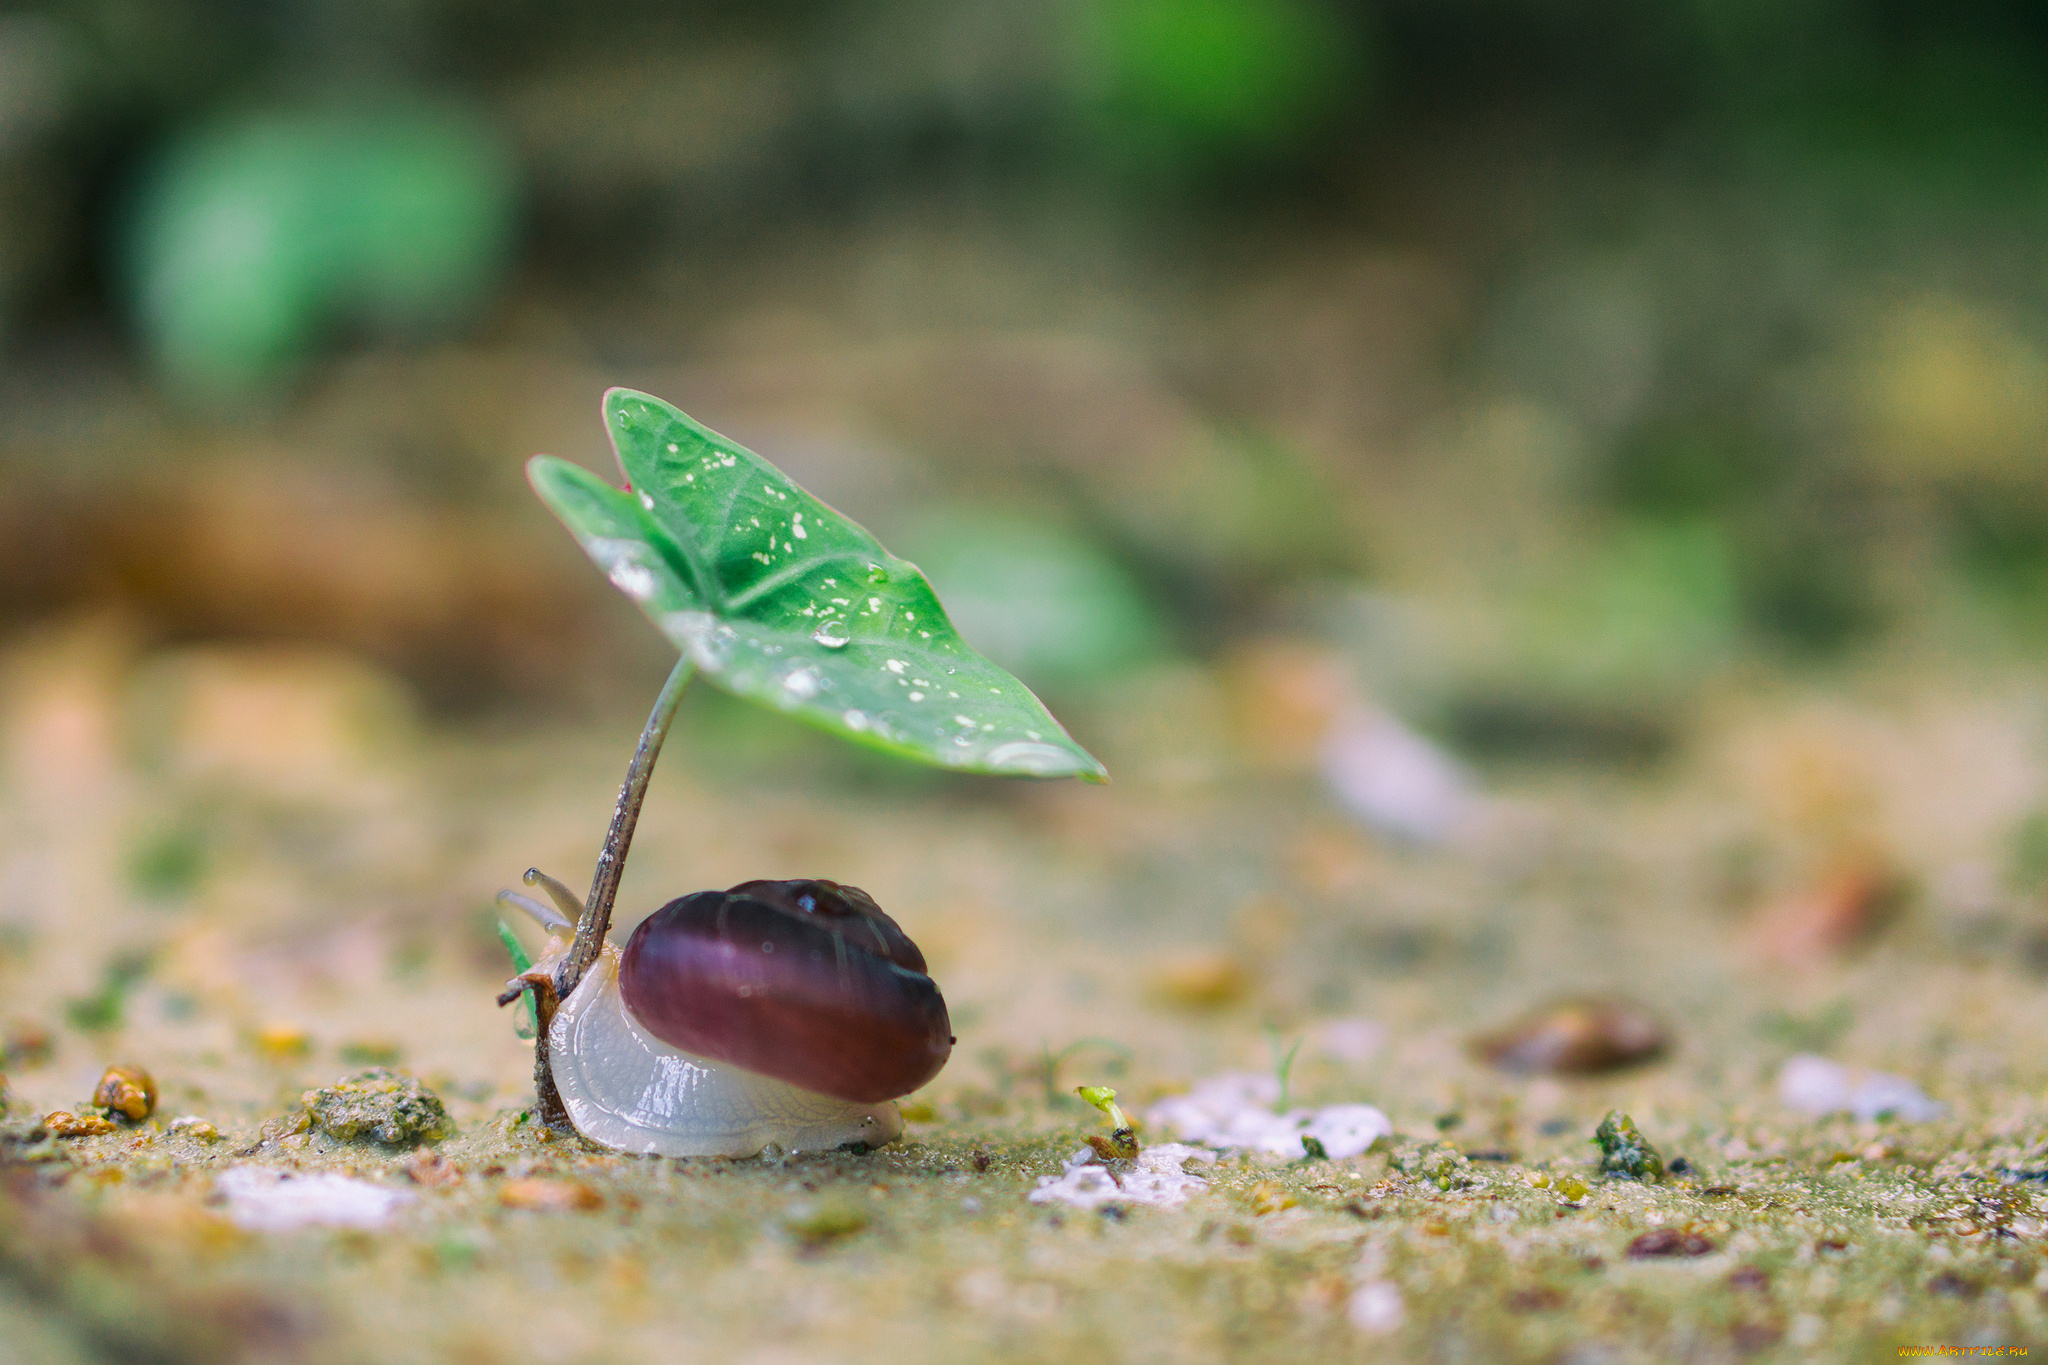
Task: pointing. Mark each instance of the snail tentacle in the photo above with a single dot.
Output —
(558, 891)
(543, 915)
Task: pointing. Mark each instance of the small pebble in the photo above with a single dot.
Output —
(1577, 1036)
(128, 1091)
(1624, 1151)
(1669, 1242)
(548, 1194)
(191, 1125)
(430, 1168)
(65, 1124)
(379, 1105)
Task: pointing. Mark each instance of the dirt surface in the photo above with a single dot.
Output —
(1198, 916)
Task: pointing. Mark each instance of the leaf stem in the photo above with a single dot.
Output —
(604, 884)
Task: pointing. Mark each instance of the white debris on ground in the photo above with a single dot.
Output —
(1393, 779)
(1155, 1178)
(1818, 1086)
(263, 1200)
(1234, 1110)
(1375, 1307)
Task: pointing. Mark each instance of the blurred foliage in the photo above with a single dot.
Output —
(1186, 80)
(1036, 598)
(252, 238)
(1770, 272)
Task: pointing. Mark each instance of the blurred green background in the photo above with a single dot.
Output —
(1555, 362)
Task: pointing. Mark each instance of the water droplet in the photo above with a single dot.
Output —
(672, 447)
(796, 527)
(832, 635)
(877, 574)
(647, 500)
(801, 684)
(917, 696)
(856, 720)
(634, 580)
(894, 665)
(1042, 760)
(622, 563)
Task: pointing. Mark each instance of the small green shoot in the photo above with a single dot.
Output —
(1283, 1063)
(523, 1021)
(1051, 1062)
(1122, 1143)
(1624, 1151)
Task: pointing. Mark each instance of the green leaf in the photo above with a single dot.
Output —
(525, 1022)
(778, 598)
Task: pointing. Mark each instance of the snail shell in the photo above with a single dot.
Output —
(807, 981)
(777, 1012)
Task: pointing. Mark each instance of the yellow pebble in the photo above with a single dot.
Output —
(128, 1091)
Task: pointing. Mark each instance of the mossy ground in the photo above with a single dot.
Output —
(353, 920)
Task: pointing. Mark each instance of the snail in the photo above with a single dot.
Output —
(784, 1013)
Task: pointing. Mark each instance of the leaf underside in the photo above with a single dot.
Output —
(777, 598)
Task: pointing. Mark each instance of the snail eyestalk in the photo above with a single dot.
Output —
(596, 920)
(544, 915)
(1122, 1143)
(561, 895)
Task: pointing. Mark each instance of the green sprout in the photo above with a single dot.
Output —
(1283, 1063)
(770, 595)
(1051, 1062)
(1122, 1143)
(523, 1022)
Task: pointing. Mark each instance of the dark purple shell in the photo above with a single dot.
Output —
(805, 981)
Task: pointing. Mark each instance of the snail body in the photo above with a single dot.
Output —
(776, 1013)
